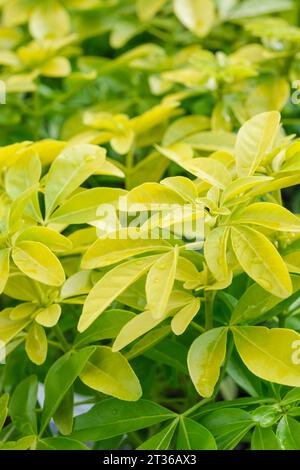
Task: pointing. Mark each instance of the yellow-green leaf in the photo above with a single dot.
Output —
(10, 328)
(261, 261)
(4, 267)
(49, 19)
(53, 240)
(183, 318)
(136, 327)
(255, 138)
(241, 185)
(109, 251)
(269, 215)
(196, 15)
(205, 357)
(49, 316)
(271, 354)
(82, 207)
(148, 194)
(146, 10)
(110, 373)
(110, 286)
(36, 344)
(36, 261)
(215, 250)
(209, 170)
(159, 283)
(72, 166)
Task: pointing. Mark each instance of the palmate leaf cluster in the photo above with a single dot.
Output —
(166, 343)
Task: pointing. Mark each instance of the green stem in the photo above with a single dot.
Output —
(195, 407)
(61, 338)
(56, 345)
(197, 327)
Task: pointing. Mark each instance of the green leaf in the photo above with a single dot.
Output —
(60, 378)
(22, 444)
(271, 354)
(36, 344)
(60, 443)
(159, 283)
(288, 433)
(3, 409)
(228, 426)
(36, 261)
(109, 372)
(261, 261)
(107, 326)
(110, 286)
(264, 439)
(63, 416)
(255, 138)
(113, 417)
(194, 436)
(205, 358)
(22, 406)
(169, 352)
(161, 440)
(71, 168)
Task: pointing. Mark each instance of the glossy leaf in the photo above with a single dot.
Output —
(110, 373)
(113, 417)
(258, 348)
(205, 358)
(36, 261)
(159, 283)
(110, 286)
(261, 261)
(194, 436)
(254, 139)
(36, 345)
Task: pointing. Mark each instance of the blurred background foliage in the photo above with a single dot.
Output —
(66, 62)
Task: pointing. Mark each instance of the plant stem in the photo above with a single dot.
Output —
(55, 344)
(195, 407)
(197, 327)
(61, 338)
